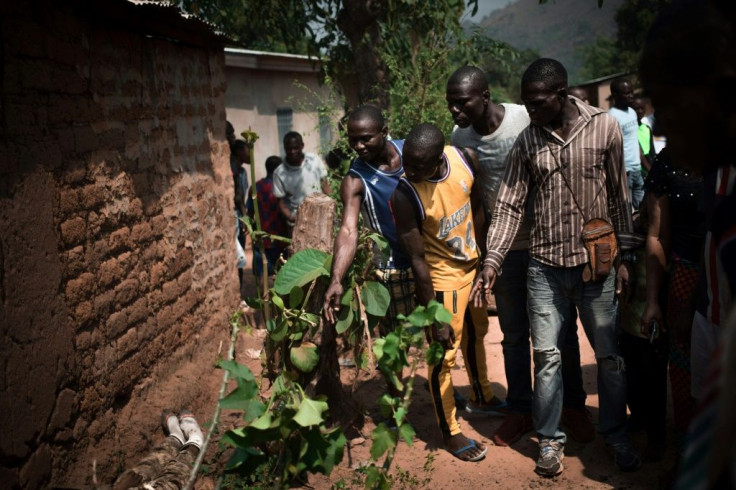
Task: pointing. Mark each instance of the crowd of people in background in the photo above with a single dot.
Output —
(566, 214)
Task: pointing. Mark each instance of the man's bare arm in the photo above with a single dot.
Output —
(410, 238)
(346, 242)
(284, 208)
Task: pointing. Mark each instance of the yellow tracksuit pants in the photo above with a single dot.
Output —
(470, 326)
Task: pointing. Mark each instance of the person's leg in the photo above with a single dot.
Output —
(575, 417)
(440, 381)
(598, 308)
(482, 399)
(656, 413)
(636, 187)
(510, 292)
(548, 307)
(572, 372)
(633, 350)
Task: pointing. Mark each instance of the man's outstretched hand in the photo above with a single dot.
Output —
(331, 307)
(481, 291)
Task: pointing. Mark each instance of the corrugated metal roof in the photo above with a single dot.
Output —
(152, 18)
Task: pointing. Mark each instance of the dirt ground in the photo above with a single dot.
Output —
(587, 466)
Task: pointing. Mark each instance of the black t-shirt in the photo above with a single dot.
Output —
(684, 191)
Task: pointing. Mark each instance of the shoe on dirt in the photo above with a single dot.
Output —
(624, 456)
(551, 454)
(191, 429)
(170, 424)
(513, 427)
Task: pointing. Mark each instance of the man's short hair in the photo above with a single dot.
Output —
(472, 74)
(272, 163)
(368, 112)
(548, 71)
(578, 91)
(293, 135)
(238, 146)
(617, 84)
(425, 137)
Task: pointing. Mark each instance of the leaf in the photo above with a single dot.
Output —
(310, 412)
(302, 268)
(237, 371)
(263, 422)
(246, 459)
(296, 296)
(435, 352)
(305, 357)
(344, 320)
(277, 301)
(375, 298)
(386, 405)
(400, 415)
(383, 440)
(438, 313)
(280, 330)
(347, 297)
(380, 242)
(378, 347)
(406, 432)
(245, 397)
(324, 449)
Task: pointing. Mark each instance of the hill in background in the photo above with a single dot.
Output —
(558, 29)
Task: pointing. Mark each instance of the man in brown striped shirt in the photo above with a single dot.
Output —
(572, 152)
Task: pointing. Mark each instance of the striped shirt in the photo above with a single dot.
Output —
(592, 162)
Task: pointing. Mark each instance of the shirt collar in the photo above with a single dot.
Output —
(587, 112)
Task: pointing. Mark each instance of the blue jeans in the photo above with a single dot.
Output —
(552, 293)
(510, 293)
(636, 187)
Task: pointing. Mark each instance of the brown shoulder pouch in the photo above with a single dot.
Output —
(599, 239)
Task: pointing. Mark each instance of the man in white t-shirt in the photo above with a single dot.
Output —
(623, 95)
(300, 175)
(491, 130)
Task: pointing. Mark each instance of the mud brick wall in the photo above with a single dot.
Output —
(116, 249)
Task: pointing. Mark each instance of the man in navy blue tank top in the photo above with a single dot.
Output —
(367, 188)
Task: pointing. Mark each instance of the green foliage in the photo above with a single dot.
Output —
(301, 269)
(601, 59)
(392, 356)
(281, 25)
(304, 357)
(285, 438)
(609, 56)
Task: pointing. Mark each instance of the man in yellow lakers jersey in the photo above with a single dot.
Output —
(435, 207)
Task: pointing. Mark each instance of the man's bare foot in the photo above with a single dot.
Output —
(465, 449)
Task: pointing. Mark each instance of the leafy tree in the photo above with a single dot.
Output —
(351, 35)
(608, 56)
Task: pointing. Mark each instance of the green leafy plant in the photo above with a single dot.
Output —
(392, 355)
(284, 437)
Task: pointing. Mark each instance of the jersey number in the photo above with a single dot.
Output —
(458, 244)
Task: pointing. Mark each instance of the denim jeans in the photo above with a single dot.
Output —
(636, 187)
(552, 292)
(510, 293)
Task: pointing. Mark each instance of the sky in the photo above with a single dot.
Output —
(485, 7)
